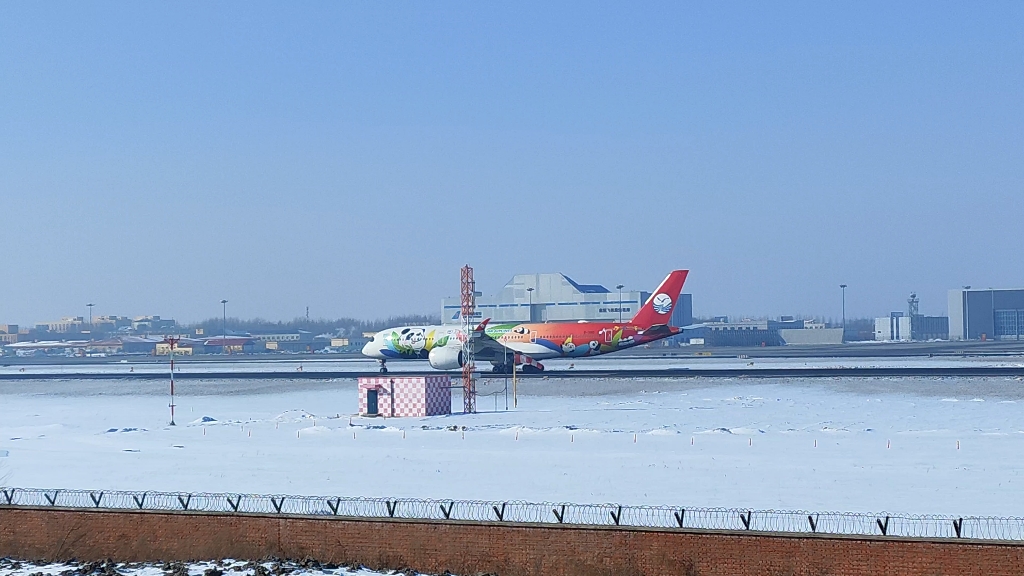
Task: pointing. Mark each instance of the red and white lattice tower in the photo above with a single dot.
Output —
(468, 319)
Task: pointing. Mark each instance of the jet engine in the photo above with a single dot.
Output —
(446, 358)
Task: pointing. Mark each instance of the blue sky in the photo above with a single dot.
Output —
(350, 157)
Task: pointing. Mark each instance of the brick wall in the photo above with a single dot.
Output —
(475, 548)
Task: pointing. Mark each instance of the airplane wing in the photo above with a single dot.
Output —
(487, 348)
(660, 330)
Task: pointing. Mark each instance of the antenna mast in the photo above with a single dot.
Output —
(468, 318)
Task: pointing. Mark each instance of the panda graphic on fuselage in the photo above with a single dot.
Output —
(412, 340)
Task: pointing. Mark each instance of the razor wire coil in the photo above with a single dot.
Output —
(565, 513)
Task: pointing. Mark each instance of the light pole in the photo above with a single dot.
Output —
(172, 342)
(530, 292)
(843, 286)
(224, 326)
(619, 287)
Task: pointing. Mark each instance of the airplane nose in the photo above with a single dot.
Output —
(370, 349)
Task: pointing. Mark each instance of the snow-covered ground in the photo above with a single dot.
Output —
(612, 362)
(217, 568)
(914, 445)
(285, 364)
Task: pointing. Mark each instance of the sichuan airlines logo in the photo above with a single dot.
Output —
(662, 303)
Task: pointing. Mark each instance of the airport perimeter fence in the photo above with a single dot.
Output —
(662, 517)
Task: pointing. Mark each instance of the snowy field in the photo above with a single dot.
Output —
(284, 364)
(10, 567)
(911, 445)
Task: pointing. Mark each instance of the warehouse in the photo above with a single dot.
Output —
(559, 298)
(986, 314)
(785, 331)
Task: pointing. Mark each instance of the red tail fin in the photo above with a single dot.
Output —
(658, 308)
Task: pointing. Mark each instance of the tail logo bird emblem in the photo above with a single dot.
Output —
(662, 303)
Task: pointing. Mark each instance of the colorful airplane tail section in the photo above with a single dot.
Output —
(658, 308)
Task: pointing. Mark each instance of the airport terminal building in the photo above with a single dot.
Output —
(986, 314)
(558, 298)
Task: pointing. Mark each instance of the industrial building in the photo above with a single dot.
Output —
(912, 326)
(558, 298)
(120, 345)
(67, 324)
(894, 328)
(986, 314)
(787, 330)
(153, 324)
(9, 334)
(298, 341)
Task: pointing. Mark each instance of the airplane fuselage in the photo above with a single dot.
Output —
(565, 340)
(416, 342)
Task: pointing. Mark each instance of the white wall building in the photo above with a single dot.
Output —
(893, 328)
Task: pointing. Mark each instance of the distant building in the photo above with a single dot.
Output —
(184, 346)
(298, 341)
(912, 326)
(106, 324)
(898, 327)
(49, 347)
(923, 328)
(147, 324)
(894, 328)
(347, 343)
(682, 314)
(229, 345)
(66, 325)
(742, 333)
(986, 314)
(125, 345)
(559, 298)
(785, 331)
(106, 346)
(9, 334)
(810, 333)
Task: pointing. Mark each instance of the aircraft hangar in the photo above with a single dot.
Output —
(556, 297)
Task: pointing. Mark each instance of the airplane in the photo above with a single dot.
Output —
(442, 346)
(511, 344)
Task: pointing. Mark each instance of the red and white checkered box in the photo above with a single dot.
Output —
(407, 395)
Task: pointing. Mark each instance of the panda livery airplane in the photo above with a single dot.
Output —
(506, 344)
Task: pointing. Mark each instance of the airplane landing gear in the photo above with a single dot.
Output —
(502, 368)
(383, 366)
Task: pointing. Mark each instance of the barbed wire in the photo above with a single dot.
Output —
(666, 517)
